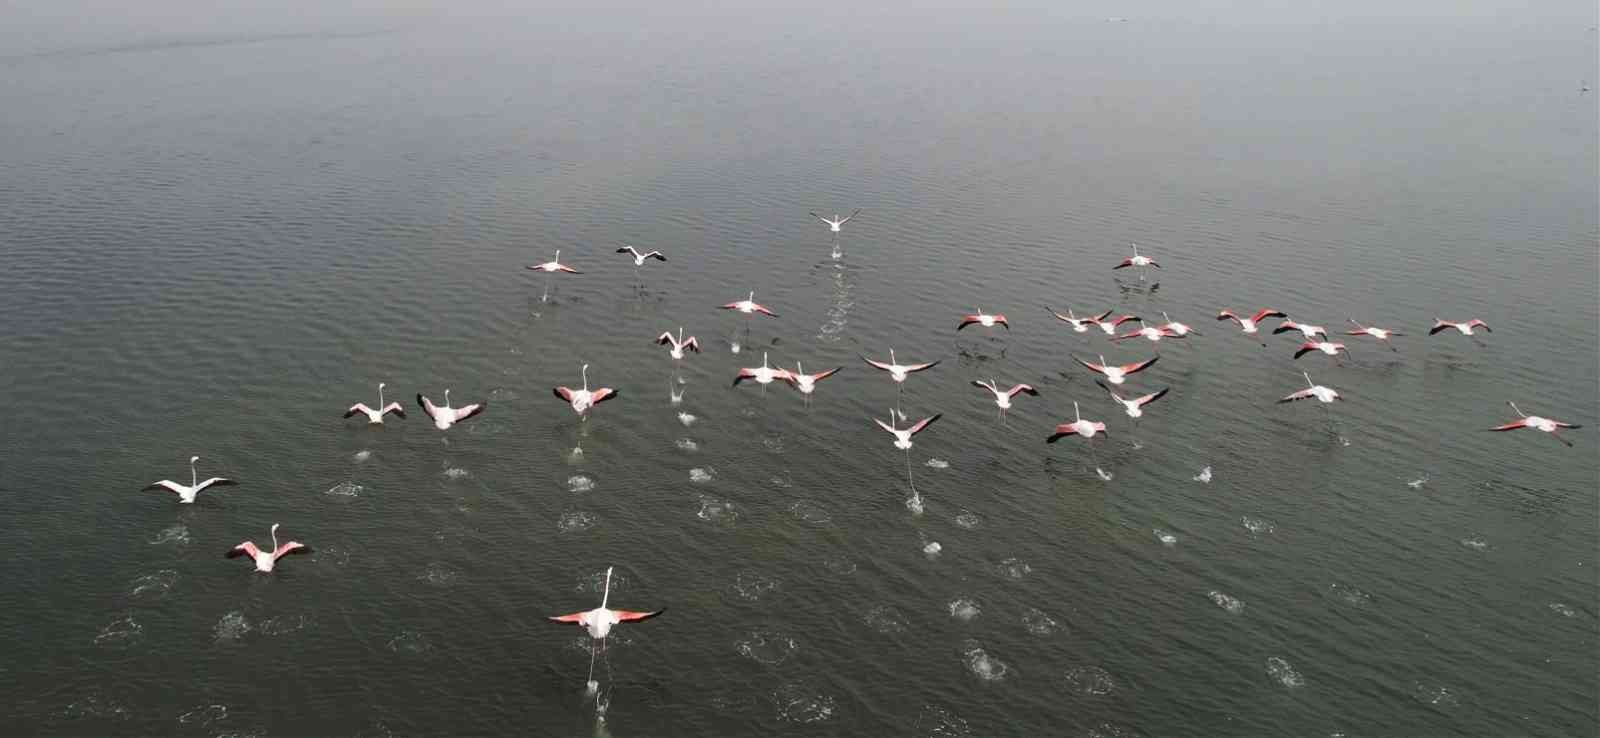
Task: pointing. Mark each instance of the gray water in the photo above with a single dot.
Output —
(217, 238)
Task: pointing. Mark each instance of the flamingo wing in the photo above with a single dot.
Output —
(567, 269)
(1022, 388)
(166, 484)
(1152, 262)
(1301, 395)
(1511, 426)
(1229, 315)
(292, 547)
(925, 422)
(1141, 366)
(1305, 348)
(247, 548)
(878, 364)
(691, 344)
(818, 377)
(1128, 262)
(1110, 391)
(848, 217)
(1287, 325)
(763, 310)
(1096, 368)
(664, 338)
(603, 394)
(577, 617)
(1123, 319)
(884, 425)
(729, 306)
(563, 393)
(462, 413)
(914, 368)
(1480, 324)
(1065, 429)
(632, 616)
(1153, 396)
(818, 217)
(1560, 424)
(1265, 313)
(427, 405)
(967, 320)
(1439, 325)
(216, 482)
(394, 407)
(359, 407)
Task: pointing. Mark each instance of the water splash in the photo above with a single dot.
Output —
(686, 419)
(579, 483)
(937, 464)
(1204, 477)
(577, 521)
(702, 474)
(1166, 539)
(932, 549)
(1013, 568)
(968, 519)
(361, 456)
(964, 609)
(154, 586)
(798, 703)
(438, 574)
(177, 534)
(938, 722)
(1089, 680)
(687, 445)
(751, 586)
(1257, 526)
(1037, 622)
(982, 664)
(230, 628)
(410, 643)
(1563, 609)
(455, 473)
(1228, 602)
(766, 647)
(1280, 670)
(810, 513)
(120, 633)
(345, 489)
(717, 511)
(1476, 543)
(886, 619)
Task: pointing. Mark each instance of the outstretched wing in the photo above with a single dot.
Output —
(359, 407)
(848, 217)
(878, 364)
(467, 411)
(577, 617)
(165, 484)
(1511, 426)
(427, 405)
(923, 423)
(914, 368)
(1091, 367)
(563, 393)
(247, 548)
(1301, 395)
(602, 394)
(1141, 366)
(216, 482)
(1153, 396)
(627, 616)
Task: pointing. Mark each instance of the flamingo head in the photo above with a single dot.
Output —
(193, 459)
(381, 385)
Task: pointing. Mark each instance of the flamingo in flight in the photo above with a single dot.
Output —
(1002, 398)
(1135, 406)
(749, 307)
(763, 375)
(445, 416)
(1079, 325)
(1466, 328)
(186, 494)
(898, 372)
(375, 417)
(1147, 332)
(1381, 334)
(1117, 374)
(1176, 329)
(583, 399)
(549, 268)
(1537, 423)
(1137, 261)
(678, 344)
(1324, 395)
(1080, 427)
(599, 622)
(902, 441)
(1326, 347)
(1306, 329)
(638, 258)
(1109, 327)
(984, 319)
(1251, 324)
(265, 560)
(807, 383)
(835, 222)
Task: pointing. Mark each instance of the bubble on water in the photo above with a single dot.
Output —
(120, 633)
(1346, 594)
(687, 445)
(717, 511)
(702, 474)
(766, 647)
(344, 489)
(1204, 477)
(840, 565)
(982, 664)
(1436, 695)
(798, 703)
(1037, 622)
(1226, 601)
(1476, 543)
(230, 628)
(579, 483)
(886, 619)
(964, 609)
(937, 464)
(1013, 568)
(1280, 670)
(686, 419)
(938, 722)
(361, 456)
(96, 706)
(410, 643)
(154, 586)
(932, 549)
(455, 472)
(278, 625)
(438, 574)
(177, 534)
(1257, 525)
(810, 512)
(204, 716)
(968, 519)
(751, 586)
(1088, 680)
(1166, 539)
(1563, 609)
(577, 521)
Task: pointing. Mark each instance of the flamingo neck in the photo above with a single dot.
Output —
(1075, 412)
(380, 397)
(194, 477)
(585, 377)
(447, 398)
(606, 598)
(274, 538)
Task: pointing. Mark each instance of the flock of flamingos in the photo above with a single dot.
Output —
(600, 620)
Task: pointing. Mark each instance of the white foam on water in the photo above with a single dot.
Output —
(1013, 568)
(686, 419)
(154, 586)
(1436, 695)
(932, 549)
(1417, 483)
(278, 625)
(964, 609)
(361, 456)
(1104, 475)
(1204, 477)
(1280, 670)
(984, 665)
(798, 703)
(914, 504)
(702, 474)
(438, 574)
(886, 619)
(410, 643)
(1476, 543)
(937, 464)
(1089, 680)
(773, 444)
(1228, 602)
(455, 472)
(968, 519)
(687, 445)
(204, 715)
(96, 706)
(575, 456)
(1257, 525)
(938, 722)
(120, 633)
(230, 628)
(1349, 595)
(840, 565)
(176, 534)
(345, 489)
(766, 647)
(810, 512)
(717, 511)
(577, 521)
(1166, 539)
(1563, 609)
(1037, 622)
(579, 483)
(751, 586)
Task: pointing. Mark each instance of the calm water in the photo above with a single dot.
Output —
(215, 242)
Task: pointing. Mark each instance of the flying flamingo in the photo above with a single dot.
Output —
(1135, 406)
(1327, 347)
(1537, 423)
(549, 268)
(1117, 374)
(763, 375)
(1080, 427)
(1176, 329)
(749, 307)
(1079, 325)
(902, 441)
(1137, 261)
(265, 560)
(1002, 398)
(898, 372)
(582, 399)
(1109, 327)
(807, 383)
(679, 345)
(1379, 333)
(984, 319)
(1466, 328)
(1324, 396)
(187, 494)
(1306, 329)
(834, 224)
(445, 416)
(638, 258)
(1251, 324)
(375, 417)
(599, 621)
(1147, 332)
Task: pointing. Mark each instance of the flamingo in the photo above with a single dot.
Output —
(898, 372)
(638, 258)
(187, 494)
(1327, 347)
(375, 417)
(549, 268)
(1109, 327)
(1381, 334)
(1306, 329)
(1003, 398)
(1117, 374)
(984, 319)
(807, 383)
(902, 441)
(1150, 333)
(835, 222)
(678, 344)
(749, 307)
(1251, 324)
(1135, 406)
(265, 560)
(1323, 395)
(1537, 423)
(1080, 427)
(582, 399)
(1137, 261)
(599, 621)
(1079, 325)
(1466, 328)
(445, 416)
(764, 374)
(1176, 329)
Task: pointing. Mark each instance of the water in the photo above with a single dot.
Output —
(218, 237)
